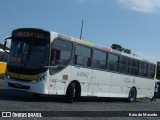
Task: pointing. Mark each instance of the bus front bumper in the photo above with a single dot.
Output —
(27, 86)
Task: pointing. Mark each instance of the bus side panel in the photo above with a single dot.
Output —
(119, 85)
(83, 75)
(58, 85)
(144, 90)
(100, 83)
(138, 84)
(141, 86)
(58, 82)
(149, 88)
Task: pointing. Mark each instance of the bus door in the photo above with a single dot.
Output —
(82, 67)
(83, 75)
(100, 83)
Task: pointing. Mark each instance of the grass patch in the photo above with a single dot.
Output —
(2, 76)
(143, 98)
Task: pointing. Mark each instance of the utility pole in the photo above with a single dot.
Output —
(81, 30)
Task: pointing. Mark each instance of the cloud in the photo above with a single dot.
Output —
(145, 6)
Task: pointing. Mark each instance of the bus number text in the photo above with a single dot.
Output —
(82, 74)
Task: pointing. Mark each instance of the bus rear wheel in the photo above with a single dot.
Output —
(70, 95)
(132, 95)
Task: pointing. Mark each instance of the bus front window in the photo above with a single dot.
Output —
(28, 54)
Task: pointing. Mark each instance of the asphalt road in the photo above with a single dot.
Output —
(11, 100)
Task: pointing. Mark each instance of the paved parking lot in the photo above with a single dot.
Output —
(55, 105)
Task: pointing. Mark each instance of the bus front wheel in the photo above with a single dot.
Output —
(70, 95)
(132, 95)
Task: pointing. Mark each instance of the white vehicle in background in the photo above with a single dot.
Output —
(44, 62)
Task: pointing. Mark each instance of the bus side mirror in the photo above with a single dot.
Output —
(5, 48)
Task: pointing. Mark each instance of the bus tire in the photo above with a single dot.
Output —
(77, 91)
(70, 95)
(132, 95)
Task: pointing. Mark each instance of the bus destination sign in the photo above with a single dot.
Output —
(30, 34)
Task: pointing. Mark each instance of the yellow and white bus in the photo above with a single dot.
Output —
(3, 61)
(44, 62)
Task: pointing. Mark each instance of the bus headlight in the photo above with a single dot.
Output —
(39, 79)
(7, 76)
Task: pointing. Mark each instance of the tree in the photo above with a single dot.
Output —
(116, 47)
(120, 48)
(1, 46)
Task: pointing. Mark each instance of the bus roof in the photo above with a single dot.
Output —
(90, 44)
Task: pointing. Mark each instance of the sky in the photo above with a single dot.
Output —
(133, 24)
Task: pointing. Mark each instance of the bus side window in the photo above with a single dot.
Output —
(124, 64)
(99, 59)
(151, 71)
(143, 69)
(82, 56)
(113, 62)
(134, 67)
(61, 53)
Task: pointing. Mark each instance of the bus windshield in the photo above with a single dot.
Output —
(29, 54)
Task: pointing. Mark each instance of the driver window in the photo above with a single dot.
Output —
(60, 54)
